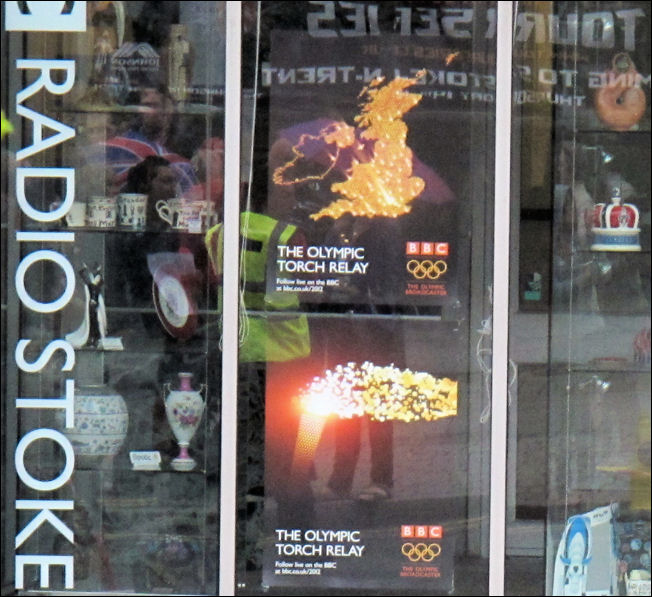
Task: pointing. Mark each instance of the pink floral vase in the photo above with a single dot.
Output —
(184, 408)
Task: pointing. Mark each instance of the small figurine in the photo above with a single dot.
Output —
(95, 304)
(108, 80)
(92, 331)
(179, 63)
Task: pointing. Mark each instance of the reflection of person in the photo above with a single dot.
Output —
(208, 162)
(149, 138)
(378, 341)
(348, 434)
(274, 335)
(155, 178)
(155, 117)
(304, 164)
(272, 330)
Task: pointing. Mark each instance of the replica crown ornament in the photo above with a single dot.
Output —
(615, 226)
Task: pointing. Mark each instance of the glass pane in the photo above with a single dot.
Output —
(366, 249)
(600, 395)
(584, 278)
(117, 154)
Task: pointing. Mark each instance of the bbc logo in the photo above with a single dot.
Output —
(421, 531)
(426, 248)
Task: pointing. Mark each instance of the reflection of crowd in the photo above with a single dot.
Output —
(139, 158)
(149, 135)
(200, 178)
(334, 340)
(303, 167)
(155, 178)
(142, 162)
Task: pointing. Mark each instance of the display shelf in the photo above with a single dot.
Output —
(186, 347)
(623, 469)
(123, 467)
(131, 536)
(618, 366)
(115, 230)
(592, 131)
(570, 125)
(643, 252)
(181, 108)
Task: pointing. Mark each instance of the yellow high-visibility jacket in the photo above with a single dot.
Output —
(275, 328)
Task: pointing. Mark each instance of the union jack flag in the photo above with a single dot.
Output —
(122, 153)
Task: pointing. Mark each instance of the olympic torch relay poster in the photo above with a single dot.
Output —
(354, 164)
(361, 478)
(360, 444)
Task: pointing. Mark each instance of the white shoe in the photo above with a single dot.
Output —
(327, 494)
(374, 493)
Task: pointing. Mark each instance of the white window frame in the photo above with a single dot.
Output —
(500, 303)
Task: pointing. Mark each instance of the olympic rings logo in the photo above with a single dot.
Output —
(426, 268)
(421, 552)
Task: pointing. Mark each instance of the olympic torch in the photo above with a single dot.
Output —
(383, 393)
(318, 403)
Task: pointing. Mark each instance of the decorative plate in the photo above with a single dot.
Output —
(174, 304)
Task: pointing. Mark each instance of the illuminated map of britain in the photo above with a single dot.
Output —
(383, 185)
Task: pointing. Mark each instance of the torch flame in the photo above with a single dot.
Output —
(383, 393)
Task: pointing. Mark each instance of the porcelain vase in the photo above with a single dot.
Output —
(184, 408)
(101, 421)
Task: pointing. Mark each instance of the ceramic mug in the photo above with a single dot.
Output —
(76, 215)
(132, 210)
(102, 212)
(181, 214)
(168, 210)
(208, 218)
